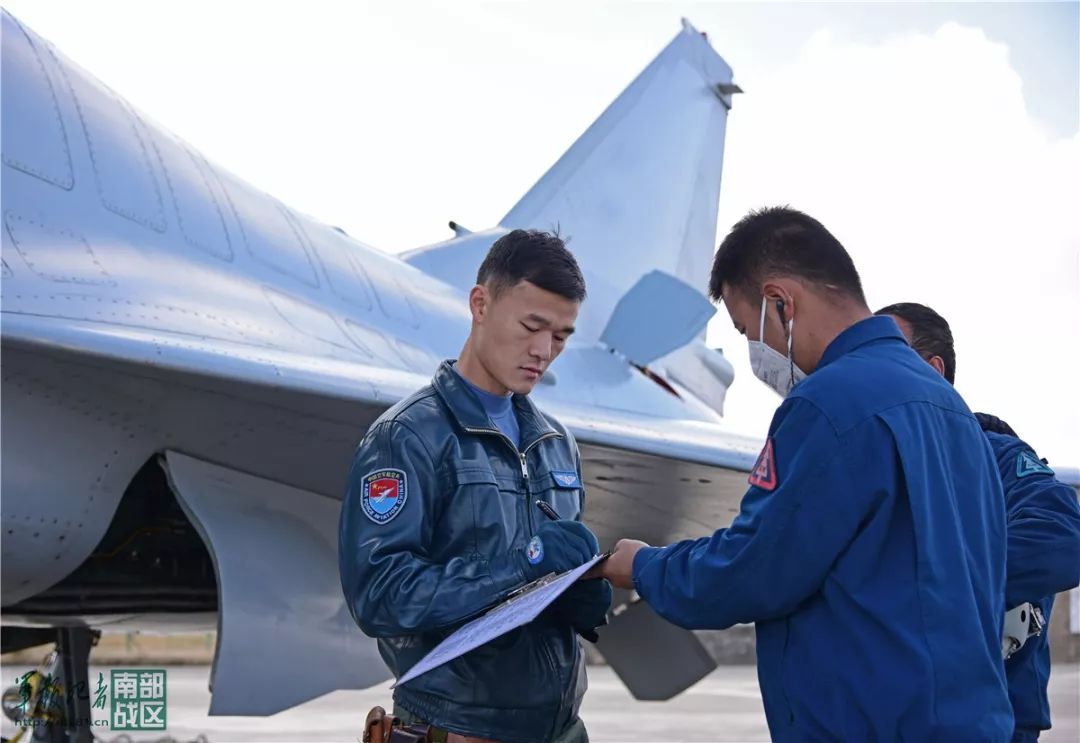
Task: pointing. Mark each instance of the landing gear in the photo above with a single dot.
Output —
(73, 646)
(52, 703)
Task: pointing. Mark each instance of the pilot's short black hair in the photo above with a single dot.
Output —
(541, 258)
(930, 334)
(781, 241)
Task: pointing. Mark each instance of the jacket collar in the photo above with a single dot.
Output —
(879, 327)
(470, 415)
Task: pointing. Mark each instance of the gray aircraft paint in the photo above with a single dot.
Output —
(157, 309)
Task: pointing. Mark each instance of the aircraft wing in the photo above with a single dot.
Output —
(255, 445)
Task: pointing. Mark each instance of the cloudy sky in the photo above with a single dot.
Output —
(938, 142)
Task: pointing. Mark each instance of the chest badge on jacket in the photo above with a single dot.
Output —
(566, 479)
(535, 550)
(383, 494)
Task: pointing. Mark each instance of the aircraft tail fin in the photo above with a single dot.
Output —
(637, 192)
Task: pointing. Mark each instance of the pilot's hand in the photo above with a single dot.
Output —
(584, 606)
(619, 568)
(556, 547)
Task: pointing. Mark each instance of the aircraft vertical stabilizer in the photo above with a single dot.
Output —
(637, 192)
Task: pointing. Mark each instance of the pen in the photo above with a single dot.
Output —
(548, 511)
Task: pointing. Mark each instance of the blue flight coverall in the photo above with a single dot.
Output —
(1043, 533)
(439, 523)
(869, 550)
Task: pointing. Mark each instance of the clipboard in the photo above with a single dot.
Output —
(545, 579)
(520, 607)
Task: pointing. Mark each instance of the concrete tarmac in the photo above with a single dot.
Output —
(725, 706)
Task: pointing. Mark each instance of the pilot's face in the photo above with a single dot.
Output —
(746, 317)
(519, 332)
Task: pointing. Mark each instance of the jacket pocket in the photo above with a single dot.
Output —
(482, 514)
(789, 713)
(562, 490)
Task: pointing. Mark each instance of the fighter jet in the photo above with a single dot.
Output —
(188, 365)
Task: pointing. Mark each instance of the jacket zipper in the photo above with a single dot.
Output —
(528, 512)
(520, 454)
(530, 447)
(521, 458)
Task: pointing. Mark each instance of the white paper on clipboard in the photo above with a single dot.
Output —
(512, 613)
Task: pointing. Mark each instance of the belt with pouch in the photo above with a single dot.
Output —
(383, 728)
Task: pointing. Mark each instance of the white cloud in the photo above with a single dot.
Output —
(919, 155)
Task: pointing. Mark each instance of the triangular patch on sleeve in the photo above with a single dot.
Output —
(764, 473)
(1028, 464)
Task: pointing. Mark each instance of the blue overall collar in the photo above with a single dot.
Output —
(878, 327)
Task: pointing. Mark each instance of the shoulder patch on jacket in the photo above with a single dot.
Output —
(764, 473)
(383, 494)
(1028, 464)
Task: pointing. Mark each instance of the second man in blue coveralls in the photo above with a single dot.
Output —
(870, 546)
(1042, 526)
(439, 522)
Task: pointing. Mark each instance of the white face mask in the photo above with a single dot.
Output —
(771, 366)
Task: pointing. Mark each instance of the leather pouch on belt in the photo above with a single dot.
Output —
(383, 728)
(380, 727)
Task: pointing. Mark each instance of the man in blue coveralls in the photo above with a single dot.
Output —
(1042, 525)
(870, 546)
(439, 521)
